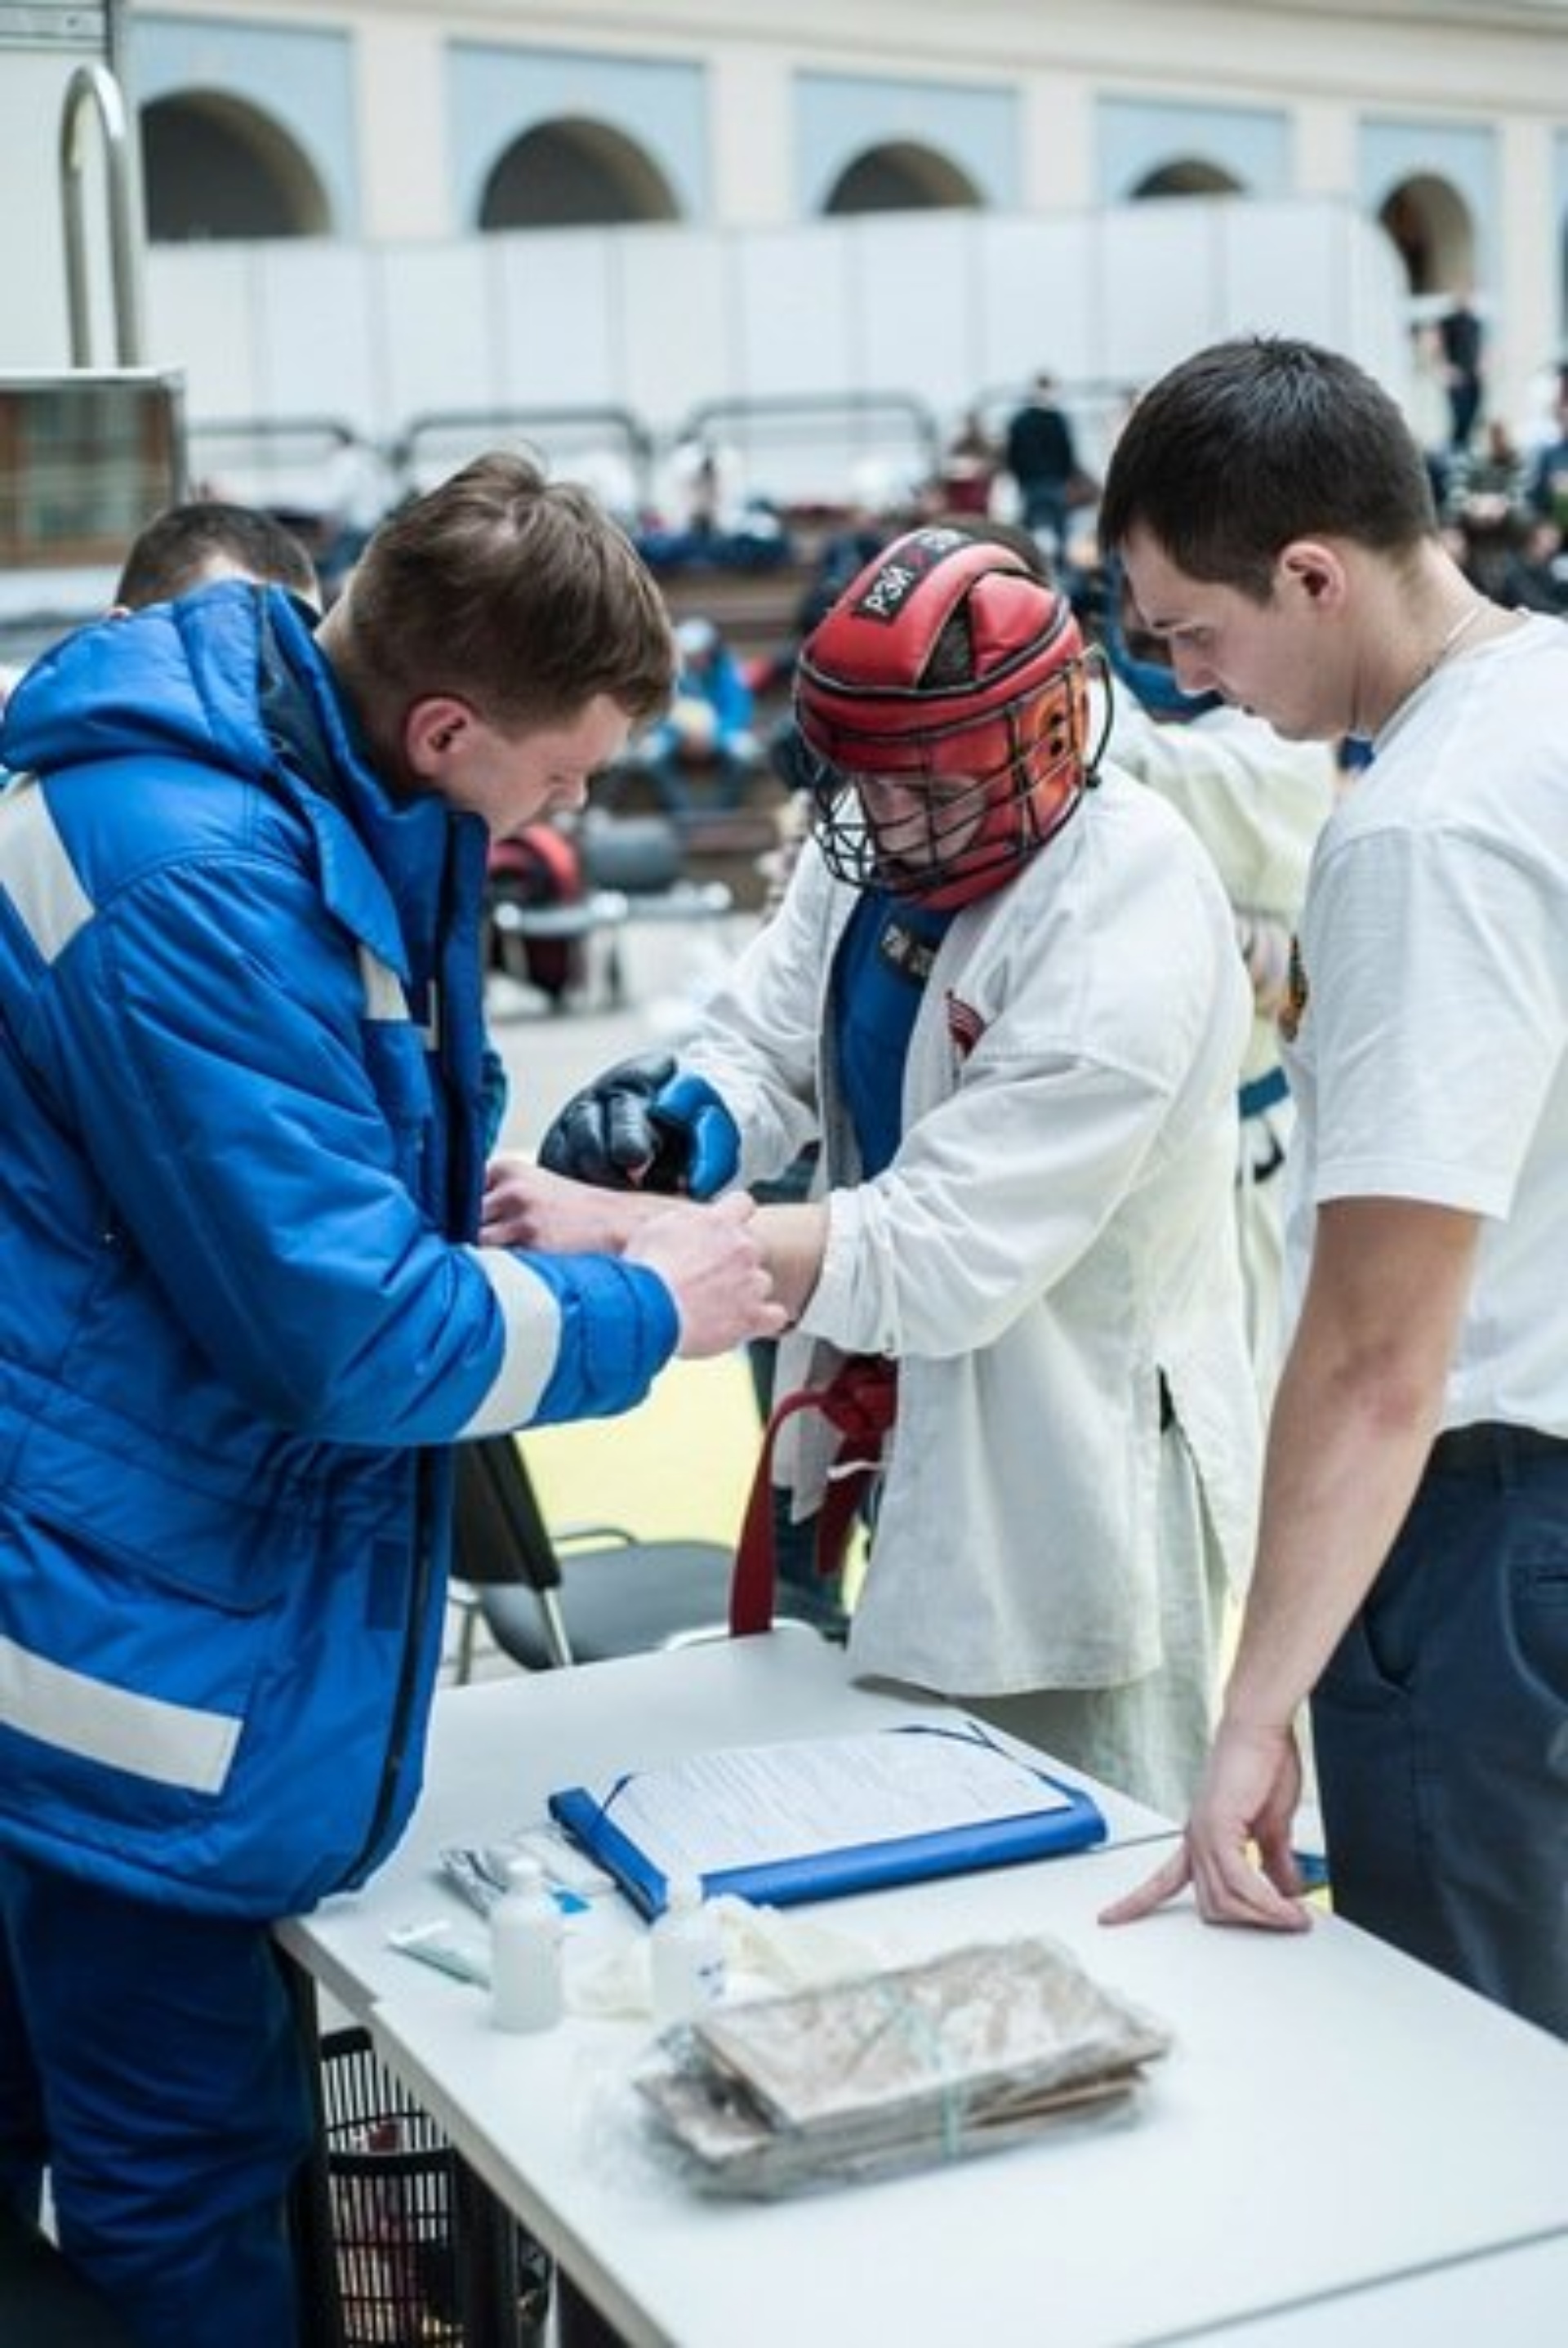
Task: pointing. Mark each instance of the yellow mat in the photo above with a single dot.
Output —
(680, 1464)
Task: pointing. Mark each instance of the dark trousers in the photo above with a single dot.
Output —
(151, 2061)
(1440, 1728)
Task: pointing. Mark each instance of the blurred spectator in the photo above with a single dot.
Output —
(1495, 531)
(1042, 456)
(207, 539)
(1461, 341)
(706, 740)
(1486, 484)
(969, 466)
(1547, 489)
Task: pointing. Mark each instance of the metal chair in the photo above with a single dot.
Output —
(579, 1595)
(634, 869)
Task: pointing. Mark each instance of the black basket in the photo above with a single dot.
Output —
(423, 2256)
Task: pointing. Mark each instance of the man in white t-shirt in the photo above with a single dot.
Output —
(1413, 1552)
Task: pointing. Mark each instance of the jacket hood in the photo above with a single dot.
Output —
(230, 676)
(179, 678)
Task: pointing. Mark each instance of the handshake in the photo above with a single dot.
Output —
(622, 1171)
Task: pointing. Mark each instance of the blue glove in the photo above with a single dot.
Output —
(644, 1126)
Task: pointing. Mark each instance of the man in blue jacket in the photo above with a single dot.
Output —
(243, 1314)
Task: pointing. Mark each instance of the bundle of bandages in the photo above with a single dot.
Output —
(896, 2069)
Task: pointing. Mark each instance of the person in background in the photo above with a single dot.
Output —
(1277, 528)
(244, 1312)
(207, 539)
(1462, 344)
(189, 546)
(1258, 803)
(703, 752)
(1003, 993)
(1040, 453)
(1546, 488)
(967, 468)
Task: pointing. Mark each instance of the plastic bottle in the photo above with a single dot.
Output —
(686, 1953)
(526, 1972)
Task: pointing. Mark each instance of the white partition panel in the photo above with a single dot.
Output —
(553, 305)
(1283, 267)
(791, 291)
(318, 332)
(915, 303)
(1041, 299)
(676, 339)
(949, 310)
(436, 332)
(203, 315)
(1162, 268)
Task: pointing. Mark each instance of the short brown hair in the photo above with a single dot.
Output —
(515, 593)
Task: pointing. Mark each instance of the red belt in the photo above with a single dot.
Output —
(860, 1402)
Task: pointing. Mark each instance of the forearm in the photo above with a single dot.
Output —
(1336, 1485)
(794, 1241)
(526, 1206)
(1359, 1403)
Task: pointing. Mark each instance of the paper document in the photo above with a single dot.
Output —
(748, 1805)
(814, 1817)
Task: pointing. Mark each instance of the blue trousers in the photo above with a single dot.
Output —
(151, 2061)
(1440, 1728)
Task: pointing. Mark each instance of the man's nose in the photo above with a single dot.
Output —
(1192, 672)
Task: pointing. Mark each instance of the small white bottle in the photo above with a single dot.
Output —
(527, 1990)
(686, 1953)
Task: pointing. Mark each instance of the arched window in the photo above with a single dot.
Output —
(214, 167)
(902, 178)
(1429, 224)
(1188, 176)
(574, 175)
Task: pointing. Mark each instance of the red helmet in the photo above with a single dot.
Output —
(943, 757)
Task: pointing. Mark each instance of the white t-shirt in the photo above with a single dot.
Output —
(1431, 1056)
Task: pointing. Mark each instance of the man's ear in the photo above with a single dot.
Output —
(1314, 570)
(432, 729)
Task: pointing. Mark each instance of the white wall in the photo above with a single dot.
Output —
(944, 307)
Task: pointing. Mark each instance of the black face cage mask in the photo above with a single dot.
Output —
(976, 830)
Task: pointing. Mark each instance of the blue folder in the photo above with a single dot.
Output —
(1074, 1823)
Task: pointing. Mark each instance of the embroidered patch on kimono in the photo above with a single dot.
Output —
(964, 1025)
(904, 950)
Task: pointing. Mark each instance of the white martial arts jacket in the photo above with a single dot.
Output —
(1052, 1246)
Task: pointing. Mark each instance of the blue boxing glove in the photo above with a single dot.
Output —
(644, 1126)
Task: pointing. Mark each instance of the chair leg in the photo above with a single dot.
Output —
(555, 1631)
(469, 1613)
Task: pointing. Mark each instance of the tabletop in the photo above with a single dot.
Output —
(1332, 2118)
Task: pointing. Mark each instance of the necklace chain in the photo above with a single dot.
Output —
(1456, 636)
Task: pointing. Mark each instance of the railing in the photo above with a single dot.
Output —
(847, 437)
(306, 467)
(607, 446)
(94, 87)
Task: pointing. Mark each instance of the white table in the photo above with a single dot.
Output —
(1332, 2115)
(1506, 2299)
(497, 1750)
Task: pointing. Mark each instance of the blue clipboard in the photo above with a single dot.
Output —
(1074, 1822)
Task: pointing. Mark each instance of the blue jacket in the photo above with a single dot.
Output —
(241, 1142)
